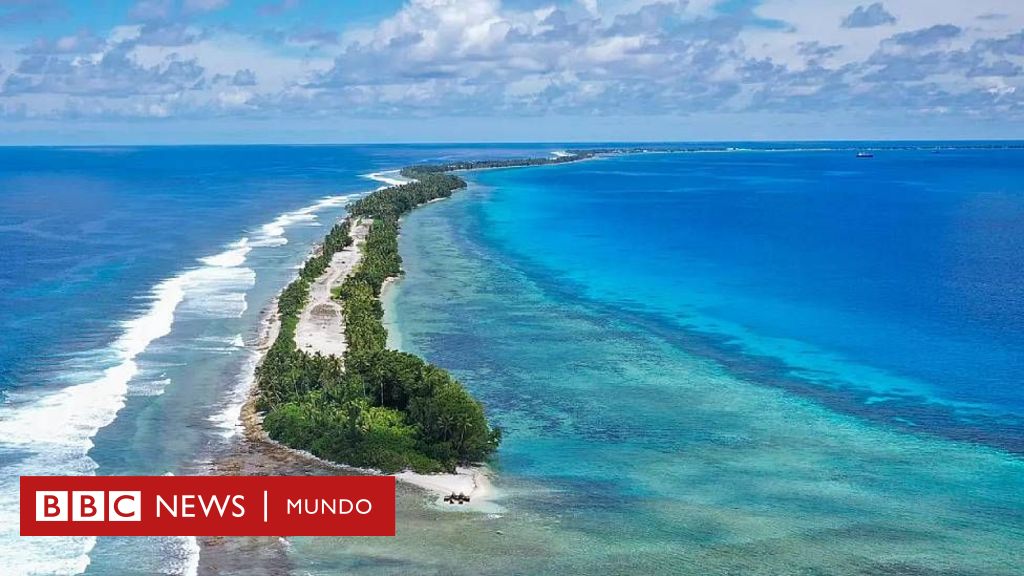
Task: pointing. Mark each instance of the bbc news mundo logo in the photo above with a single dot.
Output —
(207, 505)
(89, 506)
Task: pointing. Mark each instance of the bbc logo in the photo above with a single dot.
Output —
(88, 506)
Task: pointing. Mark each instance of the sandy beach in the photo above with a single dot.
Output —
(473, 482)
(321, 329)
(389, 178)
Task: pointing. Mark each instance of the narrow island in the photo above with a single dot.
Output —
(329, 386)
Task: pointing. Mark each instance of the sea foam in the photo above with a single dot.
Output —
(54, 433)
(228, 418)
(51, 432)
(272, 233)
(234, 256)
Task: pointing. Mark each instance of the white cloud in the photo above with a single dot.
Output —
(869, 16)
(485, 57)
(205, 5)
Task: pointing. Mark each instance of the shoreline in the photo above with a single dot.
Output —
(388, 292)
(471, 481)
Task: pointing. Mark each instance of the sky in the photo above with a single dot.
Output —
(304, 71)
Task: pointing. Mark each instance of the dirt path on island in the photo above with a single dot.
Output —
(321, 326)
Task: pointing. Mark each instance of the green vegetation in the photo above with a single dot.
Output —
(390, 203)
(376, 408)
(286, 373)
(421, 169)
(383, 409)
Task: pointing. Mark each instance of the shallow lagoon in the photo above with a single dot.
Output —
(633, 446)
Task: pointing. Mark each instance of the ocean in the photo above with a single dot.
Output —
(746, 361)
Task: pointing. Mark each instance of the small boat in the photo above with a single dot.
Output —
(454, 498)
(865, 155)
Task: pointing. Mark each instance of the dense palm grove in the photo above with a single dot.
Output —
(379, 408)
(376, 408)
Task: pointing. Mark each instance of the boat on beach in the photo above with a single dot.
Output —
(454, 498)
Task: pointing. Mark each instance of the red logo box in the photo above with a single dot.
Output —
(207, 505)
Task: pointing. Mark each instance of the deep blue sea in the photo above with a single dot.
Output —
(736, 362)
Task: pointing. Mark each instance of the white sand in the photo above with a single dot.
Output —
(321, 327)
(389, 178)
(472, 482)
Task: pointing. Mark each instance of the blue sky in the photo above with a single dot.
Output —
(197, 71)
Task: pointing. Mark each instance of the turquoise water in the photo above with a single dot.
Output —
(890, 287)
(673, 395)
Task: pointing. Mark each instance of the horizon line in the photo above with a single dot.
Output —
(507, 142)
